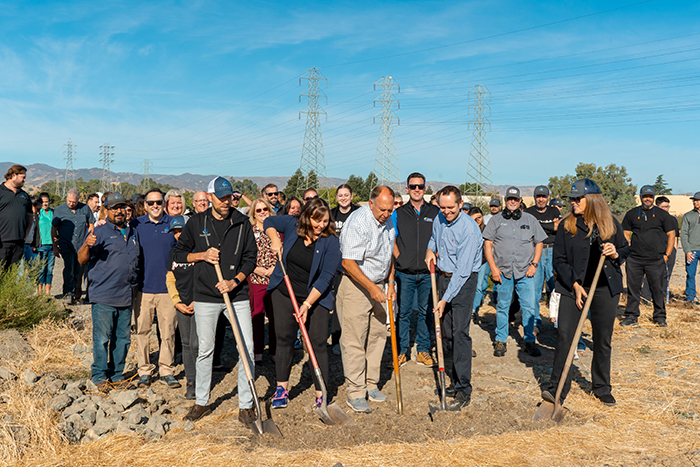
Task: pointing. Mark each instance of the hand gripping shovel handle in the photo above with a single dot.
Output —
(242, 352)
(438, 339)
(577, 335)
(399, 398)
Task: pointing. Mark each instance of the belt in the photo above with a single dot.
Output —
(551, 245)
(443, 273)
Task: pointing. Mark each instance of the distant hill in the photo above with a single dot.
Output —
(38, 174)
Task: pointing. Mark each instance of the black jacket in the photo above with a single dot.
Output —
(571, 252)
(238, 253)
(184, 278)
(414, 231)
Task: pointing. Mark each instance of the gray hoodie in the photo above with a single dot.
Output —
(690, 231)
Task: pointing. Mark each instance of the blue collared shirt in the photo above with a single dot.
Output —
(458, 245)
(113, 266)
(156, 242)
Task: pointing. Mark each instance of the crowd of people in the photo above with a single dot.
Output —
(151, 257)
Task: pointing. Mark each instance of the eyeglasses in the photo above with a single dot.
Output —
(310, 198)
(118, 208)
(273, 193)
(200, 201)
(416, 187)
(259, 210)
(577, 199)
(158, 202)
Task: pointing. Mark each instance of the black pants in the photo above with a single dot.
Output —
(655, 271)
(286, 329)
(603, 310)
(10, 253)
(455, 327)
(646, 294)
(190, 344)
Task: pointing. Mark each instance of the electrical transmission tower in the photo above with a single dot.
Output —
(147, 165)
(479, 170)
(69, 177)
(313, 163)
(106, 155)
(386, 164)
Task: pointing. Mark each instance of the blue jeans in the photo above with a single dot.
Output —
(206, 315)
(28, 254)
(111, 338)
(47, 258)
(482, 283)
(691, 268)
(409, 285)
(544, 274)
(525, 287)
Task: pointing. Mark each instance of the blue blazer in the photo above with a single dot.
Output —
(325, 263)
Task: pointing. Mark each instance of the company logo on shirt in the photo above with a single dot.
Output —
(205, 233)
(428, 219)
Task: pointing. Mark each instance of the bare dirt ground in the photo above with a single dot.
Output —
(655, 377)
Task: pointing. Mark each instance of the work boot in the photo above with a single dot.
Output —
(425, 359)
(247, 416)
(104, 387)
(462, 399)
(402, 360)
(196, 412)
(499, 349)
(607, 399)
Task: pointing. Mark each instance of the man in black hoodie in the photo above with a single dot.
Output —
(223, 236)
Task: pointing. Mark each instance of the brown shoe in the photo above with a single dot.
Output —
(197, 412)
(104, 387)
(246, 416)
(402, 360)
(424, 358)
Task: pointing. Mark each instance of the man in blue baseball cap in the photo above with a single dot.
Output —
(690, 240)
(652, 244)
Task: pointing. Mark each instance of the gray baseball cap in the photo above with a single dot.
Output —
(584, 187)
(696, 196)
(541, 190)
(114, 199)
(647, 190)
(495, 202)
(513, 192)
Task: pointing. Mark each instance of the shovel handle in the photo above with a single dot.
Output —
(399, 398)
(438, 331)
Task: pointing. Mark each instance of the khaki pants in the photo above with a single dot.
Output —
(145, 306)
(363, 338)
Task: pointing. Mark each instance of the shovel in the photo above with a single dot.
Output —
(441, 359)
(329, 414)
(258, 426)
(555, 411)
(399, 399)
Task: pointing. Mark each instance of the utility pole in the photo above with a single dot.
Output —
(147, 165)
(479, 170)
(70, 173)
(386, 164)
(313, 163)
(106, 155)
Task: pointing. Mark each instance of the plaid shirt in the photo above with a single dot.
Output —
(369, 243)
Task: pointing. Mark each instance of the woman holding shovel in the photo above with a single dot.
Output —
(588, 232)
(311, 255)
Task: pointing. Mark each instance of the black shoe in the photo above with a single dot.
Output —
(475, 317)
(607, 399)
(197, 412)
(629, 321)
(473, 353)
(462, 399)
(532, 349)
(144, 381)
(449, 391)
(499, 349)
(661, 322)
(190, 393)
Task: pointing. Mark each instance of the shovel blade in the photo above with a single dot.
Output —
(444, 407)
(547, 411)
(268, 426)
(339, 416)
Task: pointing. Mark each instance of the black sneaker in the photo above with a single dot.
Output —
(661, 322)
(144, 381)
(475, 317)
(462, 399)
(629, 321)
(532, 349)
(449, 391)
(499, 349)
(607, 399)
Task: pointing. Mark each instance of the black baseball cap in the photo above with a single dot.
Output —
(541, 190)
(584, 187)
(114, 199)
(556, 202)
(696, 196)
(647, 190)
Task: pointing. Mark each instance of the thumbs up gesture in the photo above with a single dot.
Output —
(91, 238)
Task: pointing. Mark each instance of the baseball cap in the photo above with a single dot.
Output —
(220, 187)
(696, 196)
(178, 222)
(114, 199)
(495, 202)
(541, 190)
(466, 206)
(513, 192)
(583, 187)
(556, 202)
(647, 190)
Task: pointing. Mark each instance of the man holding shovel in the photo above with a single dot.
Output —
(456, 243)
(220, 235)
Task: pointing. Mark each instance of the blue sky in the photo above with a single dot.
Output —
(207, 87)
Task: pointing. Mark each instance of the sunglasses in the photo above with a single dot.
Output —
(158, 202)
(236, 197)
(577, 199)
(118, 208)
(259, 210)
(398, 203)
(310, 198)
(416, 187)
(273, 193)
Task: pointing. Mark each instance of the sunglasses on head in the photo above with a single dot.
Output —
(265, 209)
(310, 198)
(158, 202)
(418, 186)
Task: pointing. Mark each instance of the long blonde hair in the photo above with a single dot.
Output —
(596, 213)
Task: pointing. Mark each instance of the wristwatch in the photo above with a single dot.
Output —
(534, 264)
(235, 279)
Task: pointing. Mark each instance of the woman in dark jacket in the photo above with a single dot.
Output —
(588, 231)
(311, 254)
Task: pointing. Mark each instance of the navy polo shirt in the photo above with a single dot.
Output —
(113, 266)
(14, 208)
(156, 241)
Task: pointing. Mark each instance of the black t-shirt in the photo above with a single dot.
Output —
(299, 261)
(593, 259)
(14, 208)
(649, 228)
(219, 229)
(546, 220)
(340, 218)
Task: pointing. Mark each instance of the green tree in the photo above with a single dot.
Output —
(293, 183)
(661, 186)
(367, 187)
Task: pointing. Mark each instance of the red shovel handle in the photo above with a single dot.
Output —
(432, 267)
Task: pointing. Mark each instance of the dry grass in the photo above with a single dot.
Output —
(655, 422)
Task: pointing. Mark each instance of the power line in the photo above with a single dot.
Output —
(479, 171)
(106, 154)
(386, 165)
(69, 177)
(313, 164)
